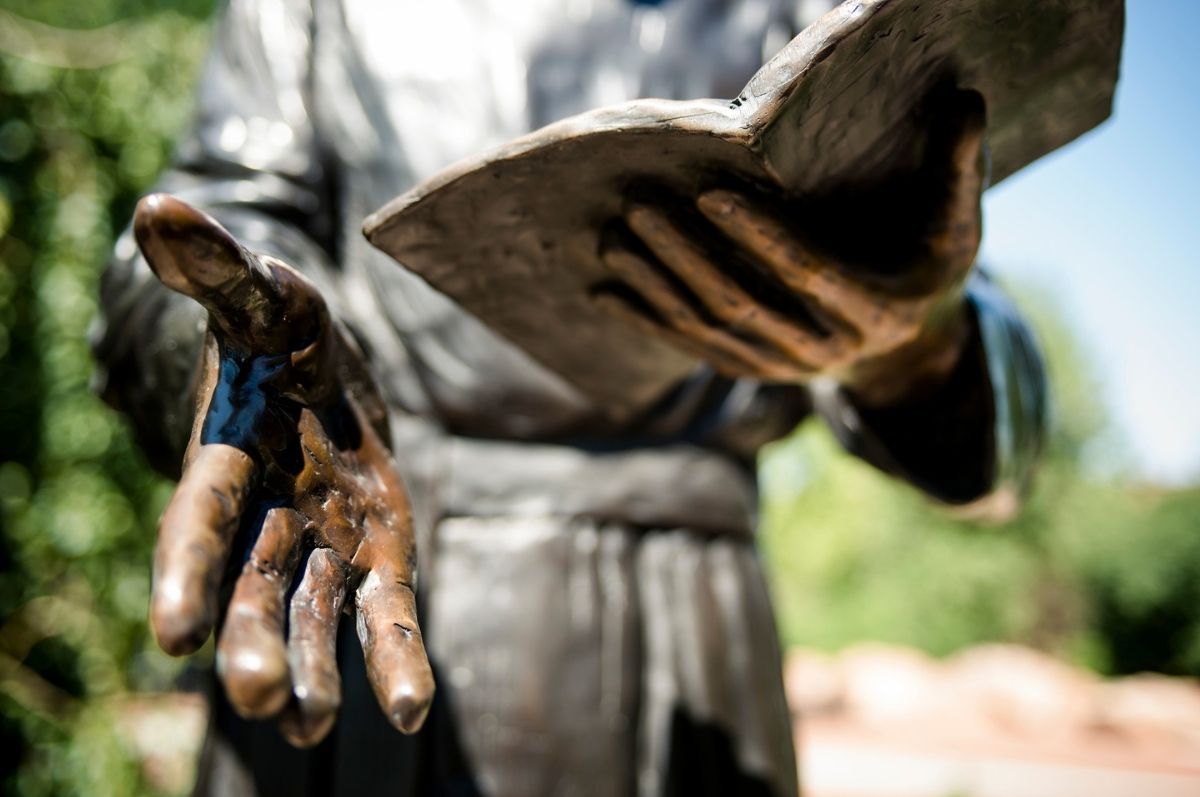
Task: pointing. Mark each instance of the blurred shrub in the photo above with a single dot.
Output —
(77, 504)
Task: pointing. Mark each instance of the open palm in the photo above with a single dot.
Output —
(288, 454)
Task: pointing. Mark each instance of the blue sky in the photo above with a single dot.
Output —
(1111, 225)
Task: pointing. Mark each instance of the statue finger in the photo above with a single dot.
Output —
(682, 325)
(763, 366)
(191, 253)
(194, 537)
(251, 655)
(397, 665)
(796, 336)
(315, 611)
(867, 315)
(717, 291)
(841, 299)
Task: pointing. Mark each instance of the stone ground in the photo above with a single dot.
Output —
(878, 721)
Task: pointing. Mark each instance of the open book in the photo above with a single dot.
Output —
(513, 235)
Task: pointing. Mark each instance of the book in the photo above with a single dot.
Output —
(514, 234)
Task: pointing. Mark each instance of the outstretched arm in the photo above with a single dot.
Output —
(287, 452)
(211, 341)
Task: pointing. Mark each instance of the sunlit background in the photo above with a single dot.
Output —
(1101, 576)
(1110, 227)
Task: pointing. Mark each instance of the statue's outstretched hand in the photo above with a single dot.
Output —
(789, 313)
(287, 453)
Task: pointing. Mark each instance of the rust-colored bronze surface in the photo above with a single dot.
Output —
(885, 332)
(838, 123)
(287, 463)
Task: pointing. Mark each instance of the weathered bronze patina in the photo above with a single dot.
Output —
(841, 112)
(288, 448)
(592, 596)
(788, 314)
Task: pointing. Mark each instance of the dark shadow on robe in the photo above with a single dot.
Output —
(363, 754)
(703, 762)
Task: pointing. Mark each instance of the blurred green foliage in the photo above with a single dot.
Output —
(1100, 572)
(77, 503)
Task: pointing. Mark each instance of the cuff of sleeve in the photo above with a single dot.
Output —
(973, 444)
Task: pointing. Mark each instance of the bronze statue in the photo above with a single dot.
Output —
(289, 429)
(593, 602)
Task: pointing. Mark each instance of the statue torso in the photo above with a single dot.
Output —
(405, 88)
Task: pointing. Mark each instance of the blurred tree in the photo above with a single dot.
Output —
(77, 504)
(1096, 570)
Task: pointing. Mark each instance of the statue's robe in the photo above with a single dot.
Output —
(594, 603)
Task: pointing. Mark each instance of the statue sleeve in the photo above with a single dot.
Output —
(974, 443)
(251, 159)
